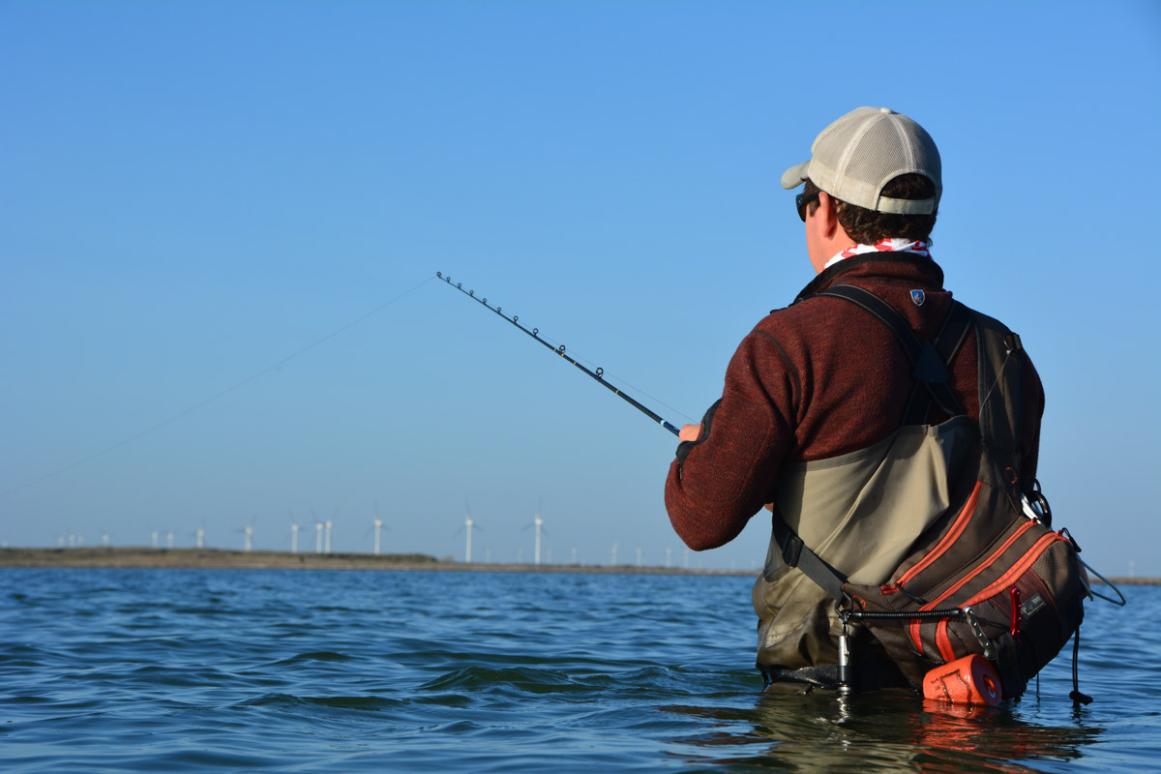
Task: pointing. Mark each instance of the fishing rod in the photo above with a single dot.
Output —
(598, 374)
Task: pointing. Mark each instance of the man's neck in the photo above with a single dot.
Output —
(826, 248)
(886, 245)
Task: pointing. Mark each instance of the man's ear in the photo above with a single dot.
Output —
(828, 213)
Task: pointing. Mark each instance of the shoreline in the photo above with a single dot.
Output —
(209, 558)
(222, 559)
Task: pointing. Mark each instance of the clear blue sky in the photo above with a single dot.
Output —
(190, 191)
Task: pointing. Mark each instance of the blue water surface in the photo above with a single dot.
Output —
(171, 670)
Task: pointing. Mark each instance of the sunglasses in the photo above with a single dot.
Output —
(802, 200)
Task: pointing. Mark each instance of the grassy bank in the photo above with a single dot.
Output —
(266, 560)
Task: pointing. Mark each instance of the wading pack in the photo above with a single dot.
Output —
(987, 575)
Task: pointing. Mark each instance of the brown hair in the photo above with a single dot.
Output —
(868, 226)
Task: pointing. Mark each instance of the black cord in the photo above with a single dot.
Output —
(1121, 602)
(1077, 697)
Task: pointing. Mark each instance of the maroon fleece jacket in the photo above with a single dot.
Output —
(819, 378)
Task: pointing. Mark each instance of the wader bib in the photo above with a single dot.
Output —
(931, 522)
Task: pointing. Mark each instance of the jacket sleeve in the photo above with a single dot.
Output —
(719, 481)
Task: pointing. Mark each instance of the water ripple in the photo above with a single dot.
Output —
(319, 655)
(176, 670)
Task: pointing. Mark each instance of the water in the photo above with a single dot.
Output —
(168, 670)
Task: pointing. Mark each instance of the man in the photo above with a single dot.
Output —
(819, 419)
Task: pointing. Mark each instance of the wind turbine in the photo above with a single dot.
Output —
(105, 539)
(638, 556)
(469, 524)
(169, 539)
(318, 534)
(200, 537)
(613, 555)
(538, 525)
(378, 528)
(293, 536)
(155, 539)
(248, 538)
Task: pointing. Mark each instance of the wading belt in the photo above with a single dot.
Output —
(929, 365)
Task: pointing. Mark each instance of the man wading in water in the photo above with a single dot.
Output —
(817, 389)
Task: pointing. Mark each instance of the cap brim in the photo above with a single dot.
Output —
(795, 176)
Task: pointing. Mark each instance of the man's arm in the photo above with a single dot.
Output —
(726, 467)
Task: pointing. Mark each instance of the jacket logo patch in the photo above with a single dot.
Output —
(918, 297)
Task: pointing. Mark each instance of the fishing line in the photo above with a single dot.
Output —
(616, 377)
(275, 366)
(597, 374)
(637, 389)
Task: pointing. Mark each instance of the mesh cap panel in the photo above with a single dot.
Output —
(859, 153)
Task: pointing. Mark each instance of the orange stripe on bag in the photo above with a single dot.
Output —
(915, 635)
(957, 528)
(1018, 569)
(997, 587)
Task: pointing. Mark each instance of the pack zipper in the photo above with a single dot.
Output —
(957, 528)
(996, 587)
(914, 627)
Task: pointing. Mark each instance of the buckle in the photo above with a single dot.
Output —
(792, 550)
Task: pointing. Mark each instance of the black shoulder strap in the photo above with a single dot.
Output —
(947, 343)
(955, 329)
(795, 553)
(928, 360)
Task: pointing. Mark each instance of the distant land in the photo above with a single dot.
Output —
(214, 558)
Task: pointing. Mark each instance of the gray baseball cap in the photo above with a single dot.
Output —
(858, 154)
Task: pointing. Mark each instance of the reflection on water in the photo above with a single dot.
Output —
(889, 730)
(366, 671)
